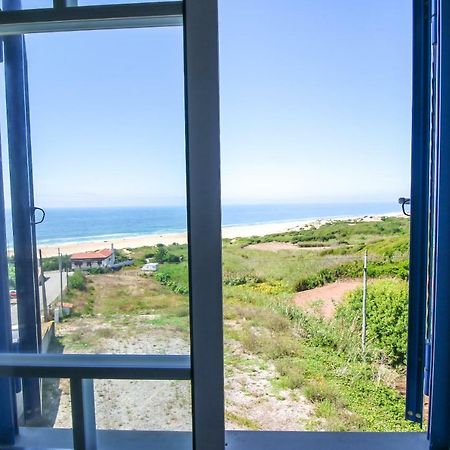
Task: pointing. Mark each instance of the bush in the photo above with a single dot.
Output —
(229, 280)
(77, 281)
(164, 278)
(12, 275)
(293, 372)
(387, 316)
(52, 263)
(120, 256)
(98, 270)
(375, 269)
(163, 256)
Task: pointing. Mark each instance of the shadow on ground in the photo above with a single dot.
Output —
(51, 394)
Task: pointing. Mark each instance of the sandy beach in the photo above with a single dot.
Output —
(181, 238)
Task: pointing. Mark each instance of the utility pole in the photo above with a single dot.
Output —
(44, 293)
(363, 334)
(60, 281)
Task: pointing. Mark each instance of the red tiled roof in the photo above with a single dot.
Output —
(98, 254)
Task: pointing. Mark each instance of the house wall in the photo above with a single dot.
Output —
(89, 263)
(108, 261)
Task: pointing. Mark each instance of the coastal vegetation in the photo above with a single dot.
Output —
(308, 358)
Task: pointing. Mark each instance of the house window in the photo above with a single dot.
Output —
(203, 367)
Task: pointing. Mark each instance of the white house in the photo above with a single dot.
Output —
(98, 258)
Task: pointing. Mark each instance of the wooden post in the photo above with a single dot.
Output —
(363, 334)
(44, 293)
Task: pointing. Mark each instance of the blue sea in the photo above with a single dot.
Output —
(64, 225)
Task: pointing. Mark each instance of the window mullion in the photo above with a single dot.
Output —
(204, 221)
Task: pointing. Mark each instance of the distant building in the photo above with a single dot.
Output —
(98, 258)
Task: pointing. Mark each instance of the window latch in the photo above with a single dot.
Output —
(404, 201)
(33, 217)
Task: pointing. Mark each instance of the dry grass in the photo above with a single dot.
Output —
(126, 293)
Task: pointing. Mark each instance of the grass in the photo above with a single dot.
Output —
(126, 293)
(244, 422)
(360, 402)
(313, 358)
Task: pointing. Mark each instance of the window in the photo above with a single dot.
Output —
(204, 367)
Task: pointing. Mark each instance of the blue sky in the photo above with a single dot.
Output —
(315, 107)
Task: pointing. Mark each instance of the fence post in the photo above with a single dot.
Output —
(364, 306)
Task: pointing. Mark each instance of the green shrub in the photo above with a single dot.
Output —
(12, 275)
(292, 372)
(165, 278)
(387, 316)
(162, 255)
(98, 270)
(120, 256)
(375, 269)
(230, 280)
(320, 391)
(52, 263)
(77, 281)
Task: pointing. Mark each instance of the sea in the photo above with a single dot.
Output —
(65, 225)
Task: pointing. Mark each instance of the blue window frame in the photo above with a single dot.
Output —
(420, 195)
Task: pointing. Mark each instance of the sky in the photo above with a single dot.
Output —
(315, 107)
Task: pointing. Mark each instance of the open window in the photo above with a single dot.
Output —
(22, 363)
(166, 366)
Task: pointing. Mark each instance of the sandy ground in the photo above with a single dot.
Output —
(131, 404)
(324, 299)
(181, 238)
(249, 394)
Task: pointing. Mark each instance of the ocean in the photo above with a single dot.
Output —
(63, 225)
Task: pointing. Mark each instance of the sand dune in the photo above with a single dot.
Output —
(181, 238)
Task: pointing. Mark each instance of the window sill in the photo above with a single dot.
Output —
(32, 438)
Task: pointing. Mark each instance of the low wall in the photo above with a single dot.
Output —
(48, 331)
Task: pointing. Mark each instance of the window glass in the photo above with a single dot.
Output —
(108, 160)
(36, 4)
(315, 154)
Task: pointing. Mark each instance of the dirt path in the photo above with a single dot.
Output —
(251, 400)
(252, 403)
(127, 404)
(323, 300)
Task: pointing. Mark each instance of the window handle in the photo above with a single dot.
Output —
(33, 220)
(404, 201)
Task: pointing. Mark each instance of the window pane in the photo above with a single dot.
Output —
(108, 160)
(36, 4)
(119, 405)
(143, 405)
(114, 2)
(315, 153)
